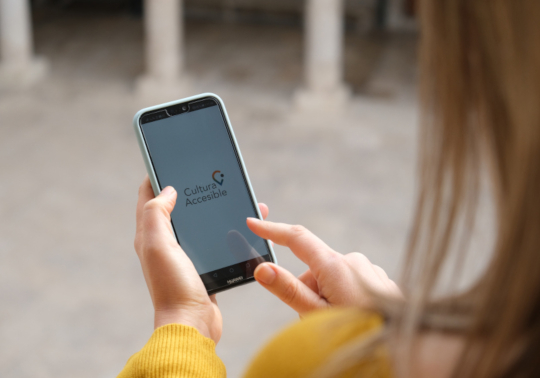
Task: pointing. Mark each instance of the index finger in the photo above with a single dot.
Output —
(304, 244)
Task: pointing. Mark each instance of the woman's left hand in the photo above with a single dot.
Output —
(177, 292)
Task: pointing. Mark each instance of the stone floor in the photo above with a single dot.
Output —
(73, 302)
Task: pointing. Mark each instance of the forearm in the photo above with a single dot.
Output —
(175, 350)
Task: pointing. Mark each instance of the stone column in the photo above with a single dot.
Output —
(18, 66)
(323, 57)
(164, 79)
(398, 20)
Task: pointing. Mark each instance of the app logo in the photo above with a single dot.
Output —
(204, 193)
(220, 175)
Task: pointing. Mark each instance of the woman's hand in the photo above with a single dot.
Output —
(177, 292)
(332, 279)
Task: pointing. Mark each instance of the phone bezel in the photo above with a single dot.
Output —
(155, 182)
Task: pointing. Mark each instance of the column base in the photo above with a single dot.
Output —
(398, 21)
(151, 89)
(21, 76)
(330, 101)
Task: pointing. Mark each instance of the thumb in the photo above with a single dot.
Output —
(157, 211)
(167, 198)
(288, 288)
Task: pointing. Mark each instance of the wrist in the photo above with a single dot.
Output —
(176, 316)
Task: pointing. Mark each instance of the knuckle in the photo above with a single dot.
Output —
(298, 230)
(138, 247)
(290, 293)
(151, 205)
(154, 206)
(149, 247)
(380, 271)
(333, 260)
(357, 262)
(151, 250)
(358, 257)
(138, 241)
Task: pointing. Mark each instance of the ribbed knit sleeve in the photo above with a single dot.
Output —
(175, 350)
(308, 345)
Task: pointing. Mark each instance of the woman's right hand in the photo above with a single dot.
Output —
(332, 279)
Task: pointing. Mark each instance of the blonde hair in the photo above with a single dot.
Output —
(480, 98)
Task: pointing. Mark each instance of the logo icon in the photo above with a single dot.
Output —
(235, 280)
(220, 175)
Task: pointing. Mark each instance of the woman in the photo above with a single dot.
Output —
(480, 64)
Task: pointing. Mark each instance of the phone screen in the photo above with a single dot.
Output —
(194, 152)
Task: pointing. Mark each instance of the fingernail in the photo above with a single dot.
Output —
(265, 274)
(254, 219)
(168, 191)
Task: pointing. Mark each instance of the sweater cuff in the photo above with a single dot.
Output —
(176, 350)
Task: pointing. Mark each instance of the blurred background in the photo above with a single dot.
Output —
(322, 97)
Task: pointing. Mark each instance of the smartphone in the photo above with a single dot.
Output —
(190, 145)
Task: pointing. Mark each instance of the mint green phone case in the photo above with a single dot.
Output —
(150, 168)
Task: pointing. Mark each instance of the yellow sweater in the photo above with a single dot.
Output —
(176, 350)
